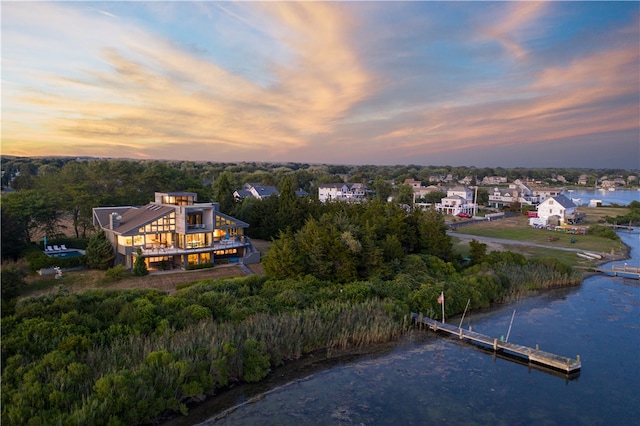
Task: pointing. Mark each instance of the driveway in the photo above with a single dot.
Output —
(502, 241)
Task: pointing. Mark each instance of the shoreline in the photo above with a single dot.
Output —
(234, 396)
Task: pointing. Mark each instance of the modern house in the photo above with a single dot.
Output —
(353, 192)
(555, 210)
(174, 231)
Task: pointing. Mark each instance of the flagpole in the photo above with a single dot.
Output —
(442, 295)
(465, 311)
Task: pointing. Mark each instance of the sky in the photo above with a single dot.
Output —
(486, 84)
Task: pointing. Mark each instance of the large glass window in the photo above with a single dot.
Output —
(222, 222)
(178, 200)
(164, 224)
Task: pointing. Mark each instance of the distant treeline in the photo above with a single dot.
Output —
(54, 196)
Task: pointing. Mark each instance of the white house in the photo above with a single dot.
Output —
(554, 209)
(458, 200)
(341, 192)
(517, 192)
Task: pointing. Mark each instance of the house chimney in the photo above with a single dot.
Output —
(114, 220)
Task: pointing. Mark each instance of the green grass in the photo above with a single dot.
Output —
(509, 231)
(567, 257)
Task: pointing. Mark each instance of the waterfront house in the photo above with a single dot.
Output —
(174, 231)
(555, 210)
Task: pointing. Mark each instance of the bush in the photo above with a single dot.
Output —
(140, 267)
(200, 266)
(603, 232)
(118, 272)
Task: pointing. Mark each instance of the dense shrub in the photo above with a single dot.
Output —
(204, 265)
(124, 357)
(603, 232)
(116, 273)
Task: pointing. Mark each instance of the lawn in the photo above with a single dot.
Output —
(75, 281)
(517, 230)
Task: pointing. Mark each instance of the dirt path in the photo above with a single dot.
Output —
(504, 241)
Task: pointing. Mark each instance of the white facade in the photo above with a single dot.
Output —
(458, 200)
(341, 192)
(559, 206)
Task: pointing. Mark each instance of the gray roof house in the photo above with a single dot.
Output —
(174, 231)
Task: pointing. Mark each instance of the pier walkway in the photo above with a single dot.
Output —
(547, 359)
(621, 271)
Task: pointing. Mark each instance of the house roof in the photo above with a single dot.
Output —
(132, 218)
(266, 191)
(236, 223)
(332, 185)
(563, 201)
(102, 214)
(460, 189)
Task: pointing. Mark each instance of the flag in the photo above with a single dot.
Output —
(441, 298)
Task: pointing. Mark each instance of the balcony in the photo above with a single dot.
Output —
(192, 247)
(200, 227)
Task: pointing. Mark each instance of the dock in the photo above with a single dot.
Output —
(621, 271)
(535, 356)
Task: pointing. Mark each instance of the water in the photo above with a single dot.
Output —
(427, 378)
(66, 254)
(621, 197)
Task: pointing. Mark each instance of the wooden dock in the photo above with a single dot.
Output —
(547, 359)
(621, 271)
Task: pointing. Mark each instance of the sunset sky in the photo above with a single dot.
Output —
(530, 84)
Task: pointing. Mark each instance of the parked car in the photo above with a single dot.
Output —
(463, 215)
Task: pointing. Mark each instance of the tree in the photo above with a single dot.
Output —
(405, 194)
(477, 251)
(433, 235)
(223, 192)
(13, 233)
(140, 266)
(31, 210)
(12, 280)
(383, 188)
(99, 252)
(483, 197)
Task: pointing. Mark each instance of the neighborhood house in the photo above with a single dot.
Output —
(459, 201)
(342, 192)
(174, 231)
(556, 211)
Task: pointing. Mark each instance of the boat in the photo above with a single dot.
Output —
(590, 256)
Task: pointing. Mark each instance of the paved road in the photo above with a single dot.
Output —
(510, 242)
